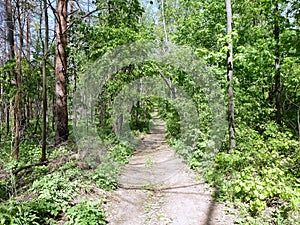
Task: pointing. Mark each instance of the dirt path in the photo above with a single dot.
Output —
(157, 188)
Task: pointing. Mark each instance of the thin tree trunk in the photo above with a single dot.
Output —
(37, 107)
(45, 56)
(61, 117)
(231, 121)
(277, 85)
(11, 54)
(2, 106)
(18, 98)
(164, 20)
(7, 117)
(10, 29)
(28, 36)
(53, 97)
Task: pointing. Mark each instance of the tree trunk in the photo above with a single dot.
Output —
(28, 34)
(164, 20)
(18, 97)
(10, 29)
(28, 42)
(61, 117)
(11, 54)
(7, 117)
(231, 127)
(45, 56)
(277, 85)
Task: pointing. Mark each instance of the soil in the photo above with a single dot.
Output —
(157, 188)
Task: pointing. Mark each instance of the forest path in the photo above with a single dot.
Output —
(157, 188)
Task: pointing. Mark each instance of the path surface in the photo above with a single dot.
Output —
(157, 188)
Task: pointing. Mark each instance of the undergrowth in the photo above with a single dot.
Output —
(49, 194)
(261, 176)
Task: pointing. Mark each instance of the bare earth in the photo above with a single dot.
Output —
(157, 188)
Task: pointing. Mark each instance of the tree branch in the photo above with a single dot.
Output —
(16, 171)
(83, 17)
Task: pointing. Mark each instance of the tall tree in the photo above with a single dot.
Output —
(61, 116)
(18, 78)
(11, 43)
(164, 20)
(45, 57)
(27, 112)
(231, 128)
(10, 29)
(277, 85)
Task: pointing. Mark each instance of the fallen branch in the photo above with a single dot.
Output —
(16, 171)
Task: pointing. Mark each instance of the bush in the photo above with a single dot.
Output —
(261, 172)
(86, 213)
(106, 174)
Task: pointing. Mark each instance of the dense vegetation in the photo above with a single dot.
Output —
(45, 178)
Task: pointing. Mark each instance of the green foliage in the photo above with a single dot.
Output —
(198, 155)
(42, 210)
(106, 174)
(140, 116)
(259, 173)
(121, 12)
(3, 190)
(51, 198)
(86, 213)
(30, 151)
(168, 113)
(14, 213)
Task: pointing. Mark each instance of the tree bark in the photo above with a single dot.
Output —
(231, 121)
(61, 117)
(28, 34)
(11, 54)
(18, 77)
(45, 57)
(27, 100)
(10, 29)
